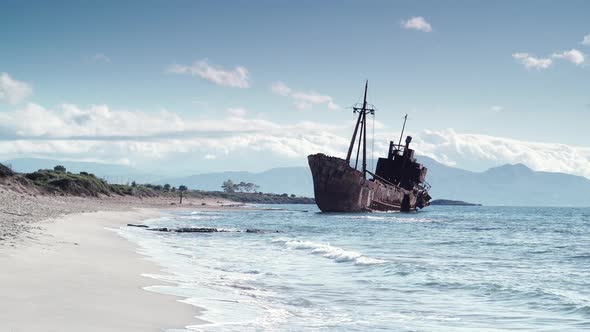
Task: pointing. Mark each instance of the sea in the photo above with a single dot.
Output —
(445, 268)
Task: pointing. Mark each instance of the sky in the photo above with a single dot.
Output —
(185, 87)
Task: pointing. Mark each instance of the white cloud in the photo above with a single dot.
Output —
(303, 100)
(236, 78)
(96, 121)
(237, 112)
(529, 61)
(280, 88)
(112, 135)
(102, 134)
(101, 57)
(573, 56)
(481, 151)
(497, 108)
(586, 40)
(417, 23)
(13, 91)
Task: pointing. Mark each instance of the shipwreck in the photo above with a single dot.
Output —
(398, 184)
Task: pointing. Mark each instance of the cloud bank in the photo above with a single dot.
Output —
(101, 133)
(482, 151)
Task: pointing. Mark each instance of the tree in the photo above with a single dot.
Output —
(133, 184)
(229, 186)
(241, 187)
(182, 189)
(59, 168)
(167, 187)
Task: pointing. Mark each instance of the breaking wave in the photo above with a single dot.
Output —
(337, 254)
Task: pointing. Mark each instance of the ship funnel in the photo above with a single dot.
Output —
(408, 140)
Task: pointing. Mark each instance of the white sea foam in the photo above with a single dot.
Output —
(365, 217)
(335, 253)
(198, 217)
(389, 217)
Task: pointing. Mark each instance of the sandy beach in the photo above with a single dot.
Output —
(65, 269)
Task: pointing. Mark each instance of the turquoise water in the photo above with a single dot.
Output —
(441, 269)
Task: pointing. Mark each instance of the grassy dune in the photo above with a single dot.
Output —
(83, 184)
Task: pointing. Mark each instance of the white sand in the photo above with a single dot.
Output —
(79, 276)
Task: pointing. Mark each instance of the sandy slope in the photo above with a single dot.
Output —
(77, 275)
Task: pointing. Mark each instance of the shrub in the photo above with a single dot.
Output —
(5, 171)
(59, 168)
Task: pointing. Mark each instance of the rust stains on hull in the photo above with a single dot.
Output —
(341, 188)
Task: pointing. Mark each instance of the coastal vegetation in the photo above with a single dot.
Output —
(58, 181)
(229, 186)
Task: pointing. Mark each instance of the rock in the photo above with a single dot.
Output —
(197, 230)
(162, 229)
(259, 231)
(134, 225)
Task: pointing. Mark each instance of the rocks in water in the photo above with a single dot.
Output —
(259, 231)
(197, 230)
(187, 230)
(162, 229)
(134, 225)
(202, 230)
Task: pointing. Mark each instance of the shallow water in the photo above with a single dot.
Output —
(444, 268)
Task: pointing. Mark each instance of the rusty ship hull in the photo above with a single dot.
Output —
(341, 188)
(398, 184)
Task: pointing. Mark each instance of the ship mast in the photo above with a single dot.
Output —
(362, 122)
(402, 134)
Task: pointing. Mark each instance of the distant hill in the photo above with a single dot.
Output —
(508, 185)
(452, 202)
(503, 185)
(110, 172)
(515, 185)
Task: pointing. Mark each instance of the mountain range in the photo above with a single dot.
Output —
(515, 185)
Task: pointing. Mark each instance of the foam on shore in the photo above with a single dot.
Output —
(337, 254)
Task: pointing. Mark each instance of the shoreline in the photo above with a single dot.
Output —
(78, 274)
